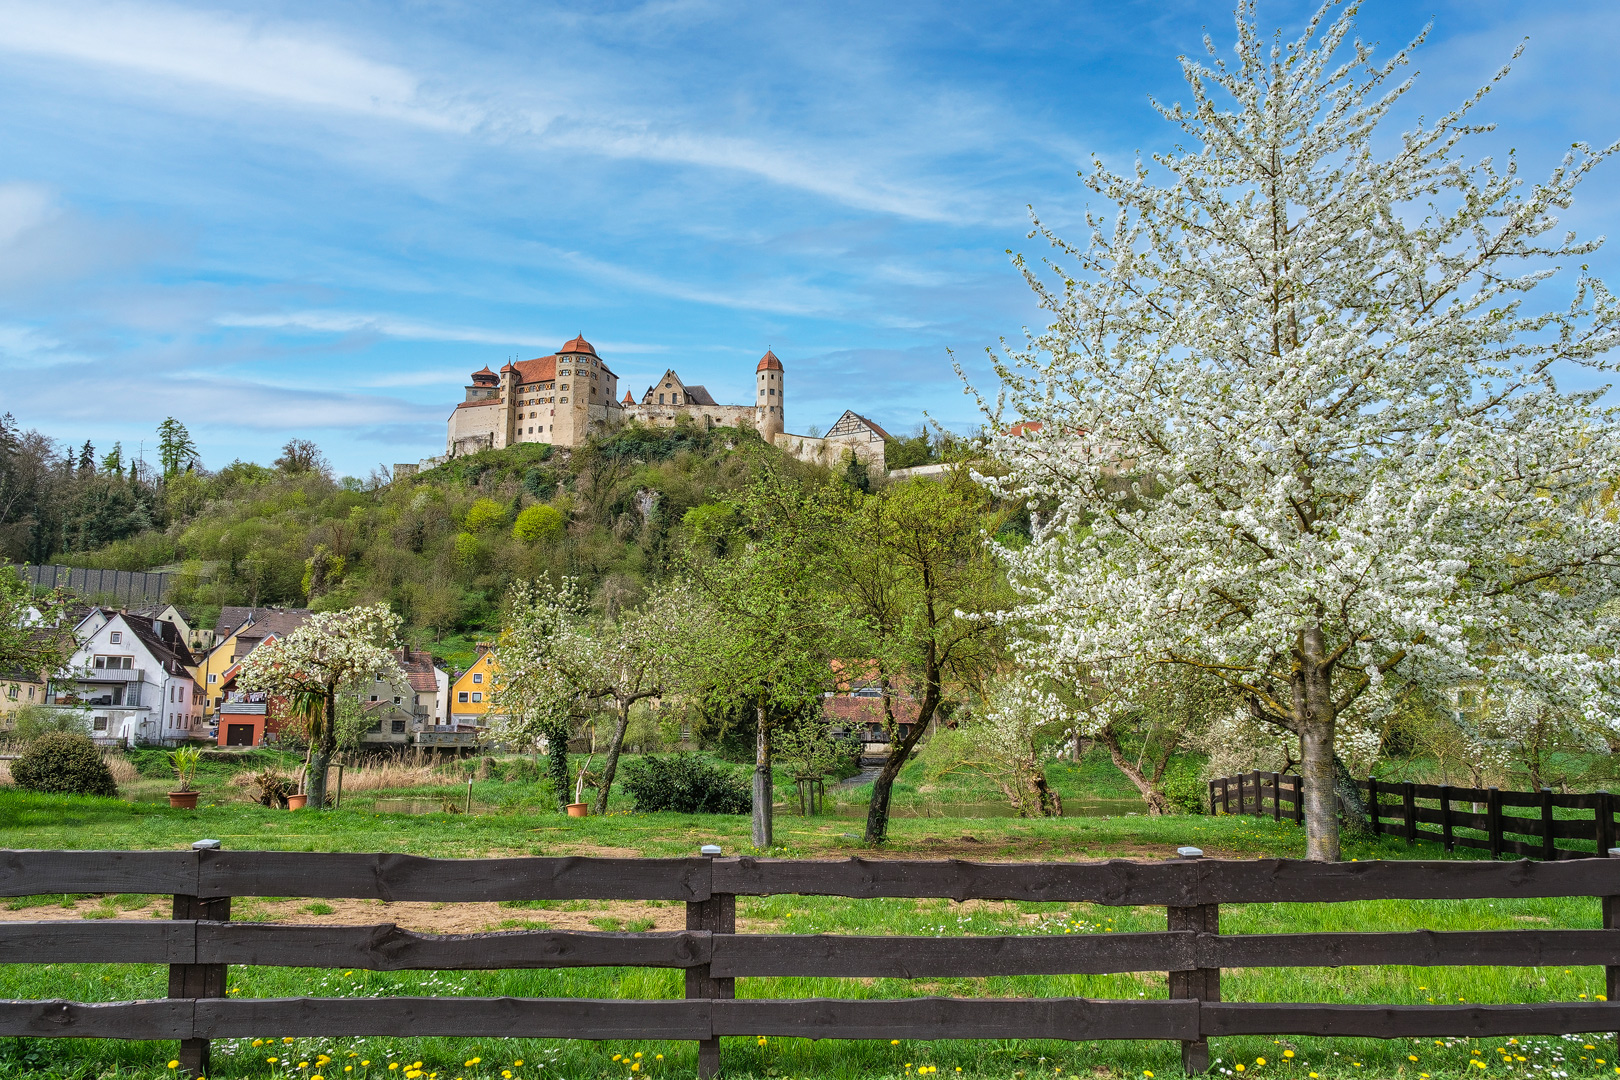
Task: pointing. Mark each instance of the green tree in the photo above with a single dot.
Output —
(36, 632)
(176, 450)
(911, 562)
(773, 629)
(113, 462)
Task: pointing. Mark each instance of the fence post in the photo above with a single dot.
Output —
(198, 980)
(1373, 817)
(1212, 809)
(1548, 851)
(1603, 823)
(1258, 798)
(718, 915)
(1226, 795)
(1409, 805)
(1276, 797)
(1201, 984)
(1493, 821)
(1611, 921)
(1445, 818)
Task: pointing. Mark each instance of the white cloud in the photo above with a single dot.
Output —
(349, 322)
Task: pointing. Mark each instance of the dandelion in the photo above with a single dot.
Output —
(1288, 1053)
(1259, 1061)
(1145, 1072)
(1240, 1066)
(1411, 1057)
(894, 1042)
(175, 1064)
(635, 1066)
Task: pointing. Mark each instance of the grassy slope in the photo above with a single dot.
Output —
(35, 821)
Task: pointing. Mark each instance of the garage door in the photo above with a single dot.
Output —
(238, 734)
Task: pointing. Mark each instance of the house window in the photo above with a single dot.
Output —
(171, 694)
(101, 723)
(13, 692)
(212, 678)
(660, 399)
(116, 637)
(397, 727)
(478, 676)
(461, 696)
(396, 701)
(477, 697)
(373, 697)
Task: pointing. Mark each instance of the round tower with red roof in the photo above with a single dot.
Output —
(770, 397)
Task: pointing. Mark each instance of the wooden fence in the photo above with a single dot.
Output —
(1402, 809)
(200, 943)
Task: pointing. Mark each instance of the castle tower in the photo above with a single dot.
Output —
(770, 397)
(580, 384)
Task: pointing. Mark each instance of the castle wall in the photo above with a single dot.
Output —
(830, 452)
(705, 416)
(481, 427)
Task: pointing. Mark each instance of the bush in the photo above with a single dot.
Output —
(33, 721)
(537, 523)
(686, 784)
(63, 764)
(1185, 787)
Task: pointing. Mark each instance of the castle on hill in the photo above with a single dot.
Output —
(565, 398)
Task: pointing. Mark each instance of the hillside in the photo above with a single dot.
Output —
(440, 547)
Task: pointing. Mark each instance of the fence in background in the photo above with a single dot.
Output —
(131, 587)
(1402, 809)
(200, 943)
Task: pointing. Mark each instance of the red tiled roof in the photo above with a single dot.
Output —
(472, 404)
(418, 668)
(629, 399)
(1025, 427)
(578, 345)
(540, 369)
(769, 362)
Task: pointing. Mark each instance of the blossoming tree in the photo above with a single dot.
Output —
(557, 661)
(308, 666)
(1320, 354)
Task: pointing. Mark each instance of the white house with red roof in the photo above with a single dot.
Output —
(135, 677)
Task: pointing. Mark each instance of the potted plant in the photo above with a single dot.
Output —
(184, 762)
(300, 799)
(579, 807)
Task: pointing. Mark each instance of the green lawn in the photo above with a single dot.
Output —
(46, 822)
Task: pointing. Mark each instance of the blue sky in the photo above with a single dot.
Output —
(277, 220)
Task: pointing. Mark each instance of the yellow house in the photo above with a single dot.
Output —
(17, 690)
(469, 698)
(238, 632)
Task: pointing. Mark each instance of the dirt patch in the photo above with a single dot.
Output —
(601, 851)
(422, 917)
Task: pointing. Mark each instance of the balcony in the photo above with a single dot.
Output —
(112, 675)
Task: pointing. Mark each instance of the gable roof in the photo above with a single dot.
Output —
(162, 642)
(419, 670)
(699, 395)
(851, 423)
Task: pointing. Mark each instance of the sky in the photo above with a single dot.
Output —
(315, 220)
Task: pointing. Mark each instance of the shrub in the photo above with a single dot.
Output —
(33, 721)
(686, 784)
(484, 514)
(537, 523)
(1185, 787)
(63, 764)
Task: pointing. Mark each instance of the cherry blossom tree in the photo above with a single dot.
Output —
(1319, 353)
(308, 666)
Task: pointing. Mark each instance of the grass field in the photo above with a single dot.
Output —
(521, 828)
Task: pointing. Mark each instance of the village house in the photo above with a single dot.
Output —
(237, 632)
(18, 689)
(136, 678)
(470, 707)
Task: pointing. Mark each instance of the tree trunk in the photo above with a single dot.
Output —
(1313, 713)
(1352, 807)
(763, 793)
(321, 749)
(611, 766)
(1157, 804)
(877, 811)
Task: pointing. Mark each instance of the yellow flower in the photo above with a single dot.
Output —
(1313, 1076)
(1240, 1066)
(660, 1058)
(1601, 997)
(616, 1057)
(175, 1064)
(1288, 1053)
(286, 1039)
(516, 1063)
(507, 1073)
(1148, 1073)
(894, 1042)
(1411, 1057)
(366, 1062)
(272, 1060)
(303, 1064)
(1259, 1061)
(635, 1066)
(258, 1042)
(317, 1076)
(393, 1064)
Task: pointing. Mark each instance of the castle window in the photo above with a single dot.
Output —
(660, 399)
(773, 391)
(531, 431)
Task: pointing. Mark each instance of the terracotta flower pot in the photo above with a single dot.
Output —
(297, 802)
(183, 800)
(579, 809)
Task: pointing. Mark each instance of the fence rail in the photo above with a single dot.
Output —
(200, 944)
(130, 586)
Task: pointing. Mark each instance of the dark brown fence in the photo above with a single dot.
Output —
(200, 943)
(1249, 793)
(1403, 809)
